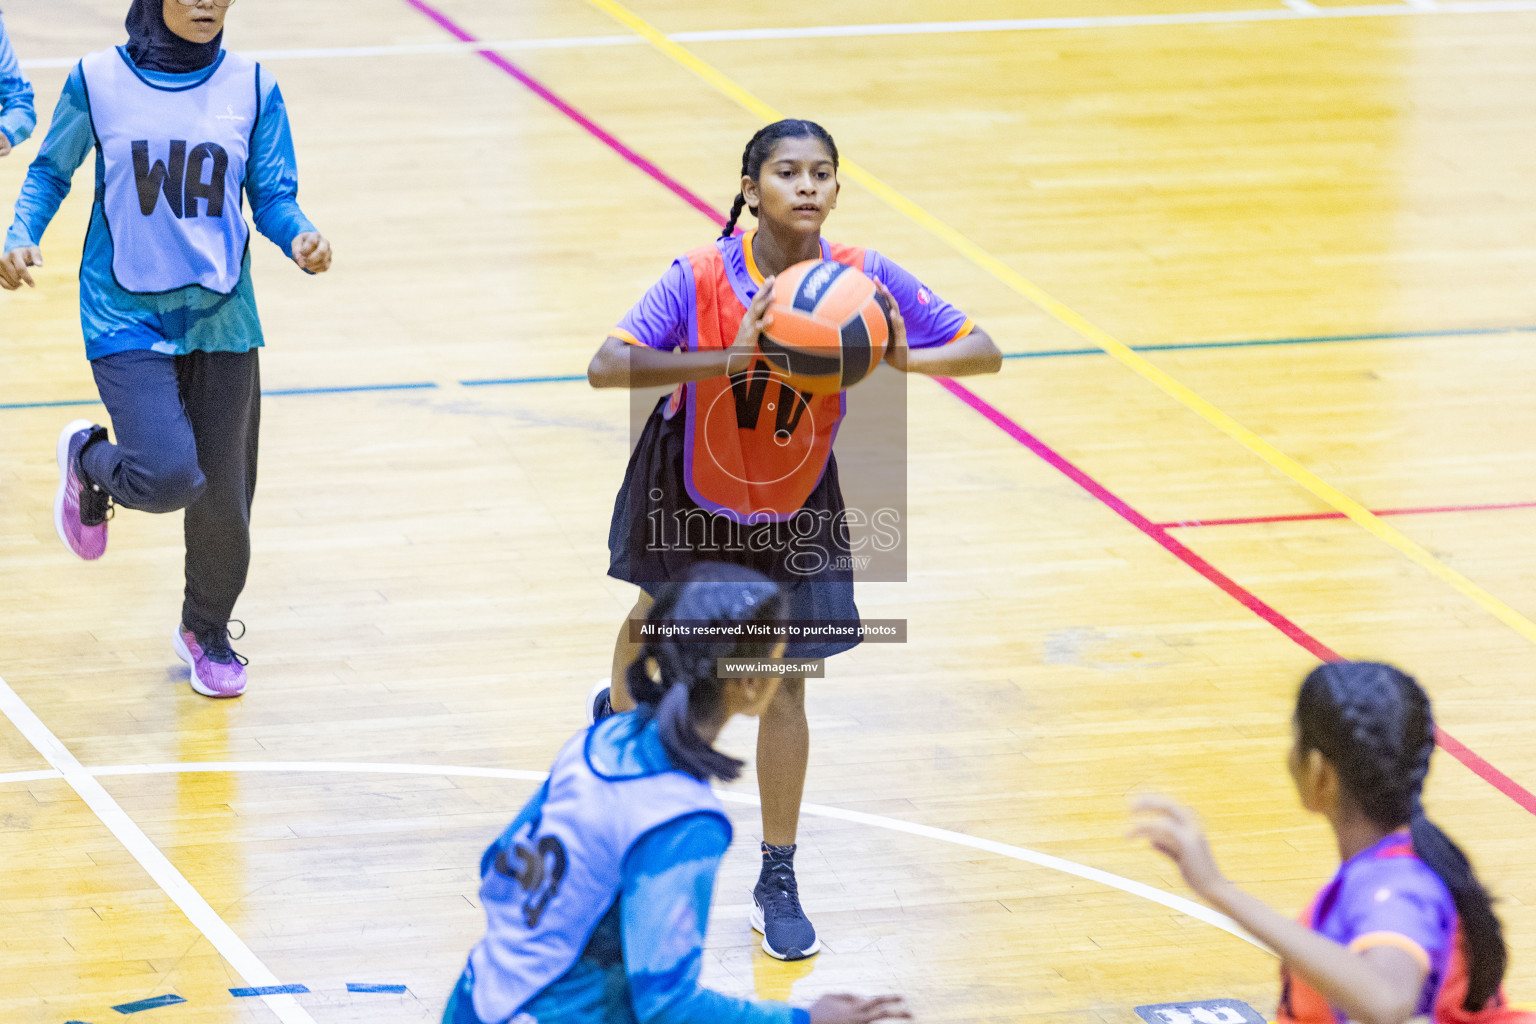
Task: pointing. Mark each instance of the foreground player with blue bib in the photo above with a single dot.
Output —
(597, 895)
(184, 133)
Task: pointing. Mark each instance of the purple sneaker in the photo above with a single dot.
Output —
(216, 670)
(80, 509)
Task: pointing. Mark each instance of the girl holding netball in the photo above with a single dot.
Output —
(597, 895)
(1404, 929)
(185, 132)
(17, 116)
(697, 328)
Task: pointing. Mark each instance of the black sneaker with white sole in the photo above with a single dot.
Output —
(787, 933)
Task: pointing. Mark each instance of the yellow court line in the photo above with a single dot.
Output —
(1325, 491)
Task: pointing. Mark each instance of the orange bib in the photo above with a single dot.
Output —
(756, 448)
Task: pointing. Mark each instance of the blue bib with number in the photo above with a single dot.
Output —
(547, 883)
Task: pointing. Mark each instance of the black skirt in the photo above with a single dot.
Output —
(658, 532)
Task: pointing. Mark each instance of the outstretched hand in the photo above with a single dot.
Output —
(1174, 831)
(845, 1009)
(312, 252)
(14, 264)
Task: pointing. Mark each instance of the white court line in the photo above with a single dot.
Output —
(1044, 860)
(1290, 12)
(47, 773)
(203, 917)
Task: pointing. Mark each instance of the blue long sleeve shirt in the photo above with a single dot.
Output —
(17, 115)
(186, 319)
(642, 962)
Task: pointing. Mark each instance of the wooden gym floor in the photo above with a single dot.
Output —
(1316, 219)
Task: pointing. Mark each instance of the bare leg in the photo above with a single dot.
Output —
(783, 751)
(625, 652)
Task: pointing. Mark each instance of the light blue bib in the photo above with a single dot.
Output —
(546, 885)
(175, 162)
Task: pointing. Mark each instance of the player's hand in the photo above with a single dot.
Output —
(1174, 831)
(896, 347)
(755, 321)
(14, 264)
(5, 145)
(312, 252)
(855, 1010)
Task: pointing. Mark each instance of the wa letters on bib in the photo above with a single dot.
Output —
(174, 164)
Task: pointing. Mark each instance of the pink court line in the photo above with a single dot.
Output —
(1503, 783)
(1450, 744)
(1310, 516)
(544, 93)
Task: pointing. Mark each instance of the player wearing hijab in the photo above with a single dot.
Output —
(1404, 929)
(17, 116)
(764, 469)
(185, 131)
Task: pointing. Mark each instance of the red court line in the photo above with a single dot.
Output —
(544, 93)
(1503, 783)
(1310, 516)
(1450, 744)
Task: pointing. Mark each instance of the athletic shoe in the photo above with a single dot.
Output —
(599, 706)
(80, 508)
(787, 933)
(216, 670)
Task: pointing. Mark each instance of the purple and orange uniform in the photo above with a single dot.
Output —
(698, 305)
(749, 453)
(1387, 896)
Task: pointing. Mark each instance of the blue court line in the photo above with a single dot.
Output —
(51, 405)
(355, 387)
(1459, 332)
(149, 1004)
(269, 990)
(521, 380)
(354, 986)
(1463, 332)
(347, 389)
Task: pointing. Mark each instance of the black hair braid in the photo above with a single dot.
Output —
(730, 223)
(1384, 741)
(760, 147)
(674, 680)
(1375, 726)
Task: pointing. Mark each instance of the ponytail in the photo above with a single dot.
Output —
(730, 224)
(675, 720)
(1487, 956)
(1373, 723)
(760, 148)
(675, 683)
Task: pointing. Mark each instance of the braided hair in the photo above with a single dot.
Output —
(760, 148)
(1372, 722)
(686, 690)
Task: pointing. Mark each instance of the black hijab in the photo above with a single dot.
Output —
(154, 47)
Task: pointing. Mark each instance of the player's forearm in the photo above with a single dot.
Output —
(1342, 976)
(620, 364)
(17, 114)
(41, 195)
(69, 140)
(272, 183)
(965, 357)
